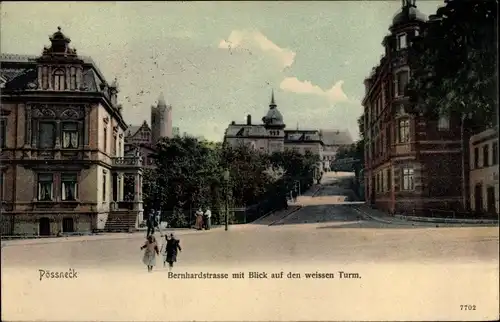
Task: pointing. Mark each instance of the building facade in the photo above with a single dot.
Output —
(62, 146)
(332, 142)
(411, 162)
(272, 136)
(484, 172)
(141, 139)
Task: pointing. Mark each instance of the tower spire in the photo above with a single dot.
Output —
(273, 103)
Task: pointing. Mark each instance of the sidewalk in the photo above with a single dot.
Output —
(377, 215)
(98, 237)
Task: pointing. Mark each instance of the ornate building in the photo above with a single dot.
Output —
(272, 136)
(62, 146)
(411, 162)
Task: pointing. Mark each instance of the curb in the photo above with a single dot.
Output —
(274, 222)
(448, 220)
(366, 215)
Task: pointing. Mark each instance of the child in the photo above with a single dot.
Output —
(149, 258)
(169, 250)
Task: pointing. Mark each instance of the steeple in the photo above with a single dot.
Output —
(161, 100)
(272, 104)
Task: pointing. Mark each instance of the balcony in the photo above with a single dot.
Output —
(127, 162)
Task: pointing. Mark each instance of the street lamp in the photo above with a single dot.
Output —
(226, 184)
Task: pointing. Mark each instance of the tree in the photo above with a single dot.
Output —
(454, 62)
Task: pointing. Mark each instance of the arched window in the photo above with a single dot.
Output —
(58, 80)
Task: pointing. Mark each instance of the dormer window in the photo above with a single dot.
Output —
(401, 41)
(58, 80)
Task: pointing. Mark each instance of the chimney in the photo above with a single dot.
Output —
(249, 119)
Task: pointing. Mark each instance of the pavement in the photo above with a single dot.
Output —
(440, 268)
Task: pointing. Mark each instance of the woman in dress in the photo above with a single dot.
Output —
(150, 253)
(171, 247)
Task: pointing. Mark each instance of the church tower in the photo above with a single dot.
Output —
(161, 120)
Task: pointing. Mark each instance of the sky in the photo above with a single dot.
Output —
(216, 62)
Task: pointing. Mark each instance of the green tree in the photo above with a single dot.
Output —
(454, 62)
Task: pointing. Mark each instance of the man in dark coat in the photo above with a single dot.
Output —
(151, 223)
(170, 251)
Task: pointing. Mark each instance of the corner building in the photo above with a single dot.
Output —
(62, 146)
(412, 163)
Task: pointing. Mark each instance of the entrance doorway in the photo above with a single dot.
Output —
(490, 200)
(68, 225)
(478, 198)
(44, 226)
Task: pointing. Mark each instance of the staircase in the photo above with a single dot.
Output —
(121, 221)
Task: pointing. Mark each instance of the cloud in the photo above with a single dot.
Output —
(334, 94)
(245, 39)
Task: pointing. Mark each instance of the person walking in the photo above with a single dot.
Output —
(208, 219)
(199, 219)
(170, 248)
(150, 223)
(151, 250)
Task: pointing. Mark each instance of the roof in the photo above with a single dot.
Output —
(408, 13)
(133, 129)
(336, 137)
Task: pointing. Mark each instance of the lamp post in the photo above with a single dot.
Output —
(226, 184)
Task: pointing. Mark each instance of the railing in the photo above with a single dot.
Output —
(127, 161)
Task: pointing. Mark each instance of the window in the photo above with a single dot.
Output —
(73, 81)
(70, 135)
(388, 178)
(120, 148)
(45, 186)
(3, 133)
(46, 135)
(495, 153)
(69, 186)
(443, 123)
(45, 83)
(1, 185)
(104, 184)
(401, 83)
(59, 80)
(401, 41)
(408, 179)
(105, 139)
(486, 155)
(404, 131)
(417, 33)
(476, 158)
(73, 78)
(115, 142)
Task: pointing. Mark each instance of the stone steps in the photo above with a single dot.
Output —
(120, 222)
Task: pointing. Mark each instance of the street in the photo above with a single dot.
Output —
(323, 236)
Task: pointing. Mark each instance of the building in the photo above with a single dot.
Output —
(484, 171)
(272, 136)
(333, 140)
(176, 131)
(62, 146)
(411, 162)
(141, 139)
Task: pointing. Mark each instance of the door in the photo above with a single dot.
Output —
(68, 225)
(44, 227)
(490, 200)
(478, 198)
